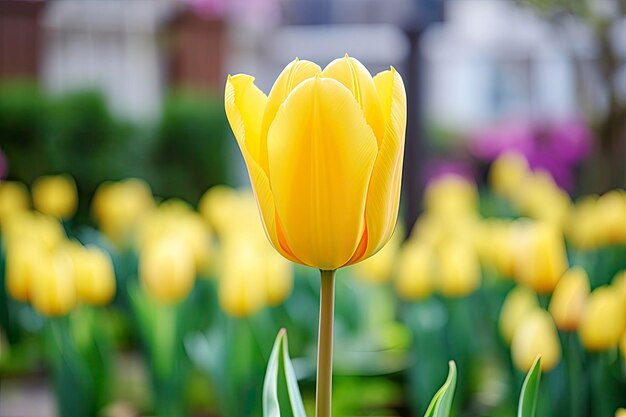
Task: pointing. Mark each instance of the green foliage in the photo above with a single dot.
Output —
(192, 146)
(530, 390)
(441, 403)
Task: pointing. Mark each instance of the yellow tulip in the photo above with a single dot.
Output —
(166, 269)
(517, 304)
(507, 173)
(536, 335)
(378, 268)
(459, 269)
(568, 301)
(604, 319)
(242, 285)
(36, 227)
(13, 198)
(23, 264)
(175, 217)
(416, 265)
(583, 226)
(55, 196)
(118, 207)
(53, 288)
(621, 412)
(451, 197)
(540, 198)
(541, 259)
(95, 278)
(278, 277)
(611, 212)
(324, 156)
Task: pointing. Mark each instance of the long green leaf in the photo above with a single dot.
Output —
(530, 389)
(441, 403)
(271, 407)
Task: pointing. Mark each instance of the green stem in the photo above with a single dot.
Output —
(323, 395)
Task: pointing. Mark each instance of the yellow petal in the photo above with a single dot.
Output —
(321, 153)
(351, 73)
(383, 198)
(244, 104)
(293, 74)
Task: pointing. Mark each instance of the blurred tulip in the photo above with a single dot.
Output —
(379, 267)
(166, 269)
(416, 265)
(540, 198)
(333, 147)
(536, 335)
(278, 277)
(459, 270)
(517, 304)
(23, 265)
(451, 197)
(175, 217)
(621, 412)
(507, 173)
(541, 259)
(604, 319)
(95, 278)
(28, 225)
(117, 207)
(231, 211)
(242, 286)
(13, 198)
(53, 288)
(568, 301)
(611, 215)
(583, 226)
(55, 196)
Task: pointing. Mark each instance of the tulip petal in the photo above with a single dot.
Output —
(383, 198)
(293, 74)
(321, 154)
(244, 104)
(352, 74)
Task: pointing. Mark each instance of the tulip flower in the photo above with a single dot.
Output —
(95, 278)
(53, 288)
(166, 269)
(517, 304)
(23, 265)
(416, 265)
(611, 212)
(507, 173)
(451, 197)
(278, 278)
(459, 269)
(13, 198)
(583, 226)
(621, 412)
(324, 154)
(568, 301)
(542, 259)
(117, 208)
(604, 319)
(28, 225)
(55, 196)
(378, 268)
(536, 335)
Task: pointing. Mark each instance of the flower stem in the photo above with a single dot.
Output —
(323, 395)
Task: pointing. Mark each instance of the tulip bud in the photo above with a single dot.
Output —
(95, 278)
(416, 266)
(166, 269)
(55, 196)
(583, 226)
(378, 268)
(117, 207)
(611, 212)
(53, 288)
(568, 301)
(242, 286)
(451, 197)
(542, 259)
(517, 304)
(507, 173)
(23, 265)
(13, 198)
(604, 319)
(621, 412)
(536, 335)
(41, 229)
(541, 199)
(459, 270)
(278, 276)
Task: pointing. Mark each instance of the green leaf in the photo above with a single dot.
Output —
(441, 403)
(271, 407)
(530, 389)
